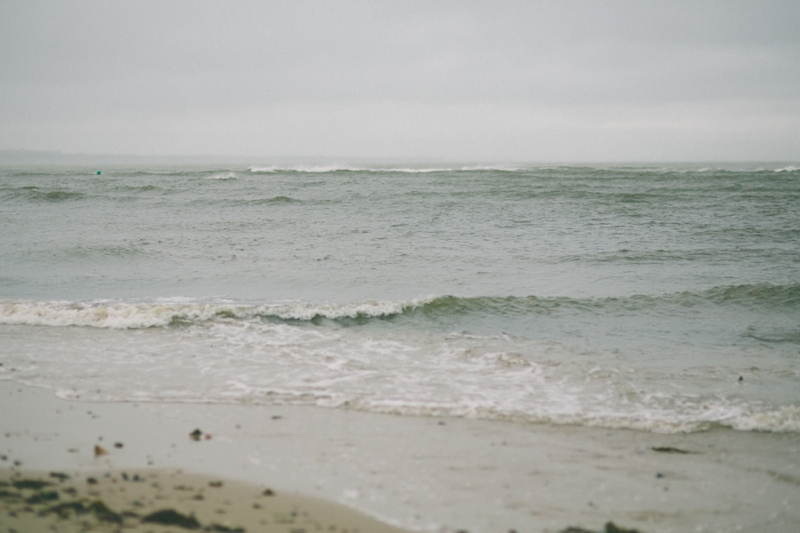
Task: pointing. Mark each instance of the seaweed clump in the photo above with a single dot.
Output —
(171, 517)
(610, 527)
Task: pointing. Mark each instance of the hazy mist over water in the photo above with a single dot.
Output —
(458, 81)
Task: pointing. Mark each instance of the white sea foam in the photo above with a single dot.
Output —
(789, 168)
(303, 311)
(306, 168)
(223, 176)
(321, 169)
(785, 418)
(427, 374)
(101, 315)
(107, 314)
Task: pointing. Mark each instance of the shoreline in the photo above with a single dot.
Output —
(424, 474)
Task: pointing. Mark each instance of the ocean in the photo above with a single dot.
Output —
(658, 298)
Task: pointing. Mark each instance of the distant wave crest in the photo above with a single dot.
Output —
(559, 168)
(35, 194)
(323, 169)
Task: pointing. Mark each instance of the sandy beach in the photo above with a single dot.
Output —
(164, 500)
(368, 472)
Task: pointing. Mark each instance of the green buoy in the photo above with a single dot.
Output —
(98, 172)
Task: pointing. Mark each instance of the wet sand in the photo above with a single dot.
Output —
(414, 473)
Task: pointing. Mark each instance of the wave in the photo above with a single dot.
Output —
(106, 314)
(223, 176)
(668, 417)
(139, 188)
(323, 169)
(275, 200)
(34, 194)
(189, 172)
(146, 315)
(783, 419)
(762, 295)
(708, 174)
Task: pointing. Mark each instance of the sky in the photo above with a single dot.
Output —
(512, 81)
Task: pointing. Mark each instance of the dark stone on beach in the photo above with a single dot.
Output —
(99, 450)
(98, 508)
(268, 492)
(102, 512)
(118, 445)
(91, 481)
(33, 484)
(64, 509)
(613, 528)
(277, 417)
(224, 529)
(669, 449)
(42, 497)
(59, 476)
(170, 517)
(7, 495)
(610, 528)
(659, 475)
(741, 378)
(196, 434)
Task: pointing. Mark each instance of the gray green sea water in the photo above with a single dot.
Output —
(662, 298)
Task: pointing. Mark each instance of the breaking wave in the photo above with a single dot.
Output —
(147, 315)
(105, 314)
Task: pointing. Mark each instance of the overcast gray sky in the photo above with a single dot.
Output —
(491, 80)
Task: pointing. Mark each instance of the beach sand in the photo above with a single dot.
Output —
(351, 470)
(163, 500)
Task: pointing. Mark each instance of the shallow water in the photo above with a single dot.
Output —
(616, 296)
